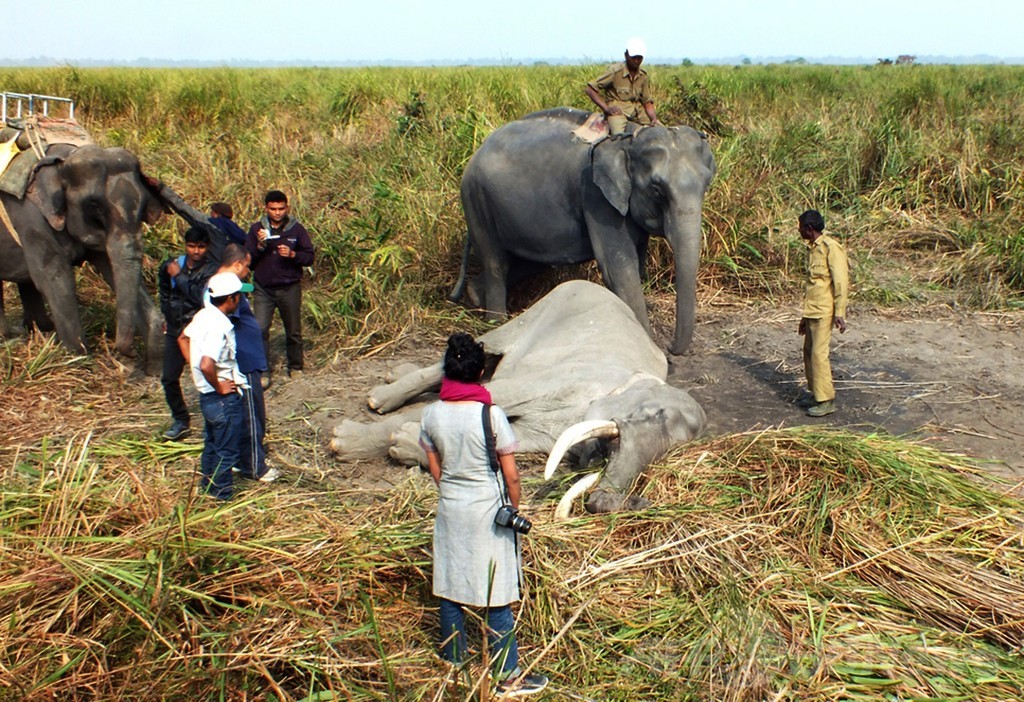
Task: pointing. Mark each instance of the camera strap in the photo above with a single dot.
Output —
(492, 451)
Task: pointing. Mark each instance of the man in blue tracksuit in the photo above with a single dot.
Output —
(252, 362)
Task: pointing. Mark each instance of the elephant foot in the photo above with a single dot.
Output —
(474, 293)
(356, 440)
(405, 445)
(126, 351)
(605, 501)
(680, 352)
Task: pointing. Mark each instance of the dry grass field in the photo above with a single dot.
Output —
(876, 555)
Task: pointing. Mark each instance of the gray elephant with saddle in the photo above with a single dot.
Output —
(63, 202)
(577, 369)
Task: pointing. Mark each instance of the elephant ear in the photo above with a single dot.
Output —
(46, 191)
(610, 161)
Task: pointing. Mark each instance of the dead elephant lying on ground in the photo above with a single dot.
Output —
(577, 356)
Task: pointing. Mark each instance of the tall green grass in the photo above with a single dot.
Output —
(372, 158)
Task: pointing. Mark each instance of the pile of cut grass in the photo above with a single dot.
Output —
(790, 564)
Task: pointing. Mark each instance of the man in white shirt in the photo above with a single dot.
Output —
(209, 344)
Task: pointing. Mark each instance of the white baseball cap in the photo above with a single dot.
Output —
(224, 284)
(636, 47)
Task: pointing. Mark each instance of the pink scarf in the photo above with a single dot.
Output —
(456, 391)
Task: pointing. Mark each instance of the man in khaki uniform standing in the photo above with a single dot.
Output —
(825, 298)
(623, 92)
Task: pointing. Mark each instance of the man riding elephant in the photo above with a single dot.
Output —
(623, 93)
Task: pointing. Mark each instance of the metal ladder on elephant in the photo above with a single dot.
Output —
(20, 105)
(34, 118)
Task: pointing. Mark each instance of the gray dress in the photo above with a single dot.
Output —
(468, 545)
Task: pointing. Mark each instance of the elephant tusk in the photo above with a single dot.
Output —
(581, 431)
(580, 487)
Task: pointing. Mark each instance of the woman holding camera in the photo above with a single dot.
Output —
(476, 560)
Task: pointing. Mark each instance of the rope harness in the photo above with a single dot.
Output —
(6, 219)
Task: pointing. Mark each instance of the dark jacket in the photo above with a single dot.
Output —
(235, 233)
(268, 268)
(182, 296)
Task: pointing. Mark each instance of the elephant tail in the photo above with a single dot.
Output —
(460, 285)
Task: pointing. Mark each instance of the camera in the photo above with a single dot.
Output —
(509, 517)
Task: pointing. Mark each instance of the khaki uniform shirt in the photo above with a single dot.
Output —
(617, 86)
(828, 279)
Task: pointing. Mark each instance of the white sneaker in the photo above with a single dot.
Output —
(522, 686)
(270, 476)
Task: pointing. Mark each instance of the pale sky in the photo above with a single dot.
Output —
(585, 31)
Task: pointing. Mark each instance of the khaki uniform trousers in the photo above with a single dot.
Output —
(817, 335)
(631, 112)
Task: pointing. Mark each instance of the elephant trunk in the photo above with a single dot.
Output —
(683, 230)
(125, 254)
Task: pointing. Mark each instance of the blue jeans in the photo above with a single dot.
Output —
(222, 433)
(500, 637)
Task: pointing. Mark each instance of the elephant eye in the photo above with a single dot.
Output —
(95, 213)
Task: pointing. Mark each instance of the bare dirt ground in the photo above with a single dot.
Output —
(932, 373)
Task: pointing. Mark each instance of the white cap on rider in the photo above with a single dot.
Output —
(636, 47)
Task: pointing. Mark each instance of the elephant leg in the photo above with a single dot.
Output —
(495, 278)
(641, 255)
(474, 292)
(400, 371)
(150, 321)
(33, 309)
(362, 440)
(482, 233)
(5, 328)
(618, 260)
(101, 263)
(49, 262)
(56, 282)
(389, 397)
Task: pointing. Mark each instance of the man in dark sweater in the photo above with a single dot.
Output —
(280, 248)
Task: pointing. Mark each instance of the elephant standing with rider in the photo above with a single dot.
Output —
(535, 196)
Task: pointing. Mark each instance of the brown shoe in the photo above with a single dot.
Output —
(822, 408)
